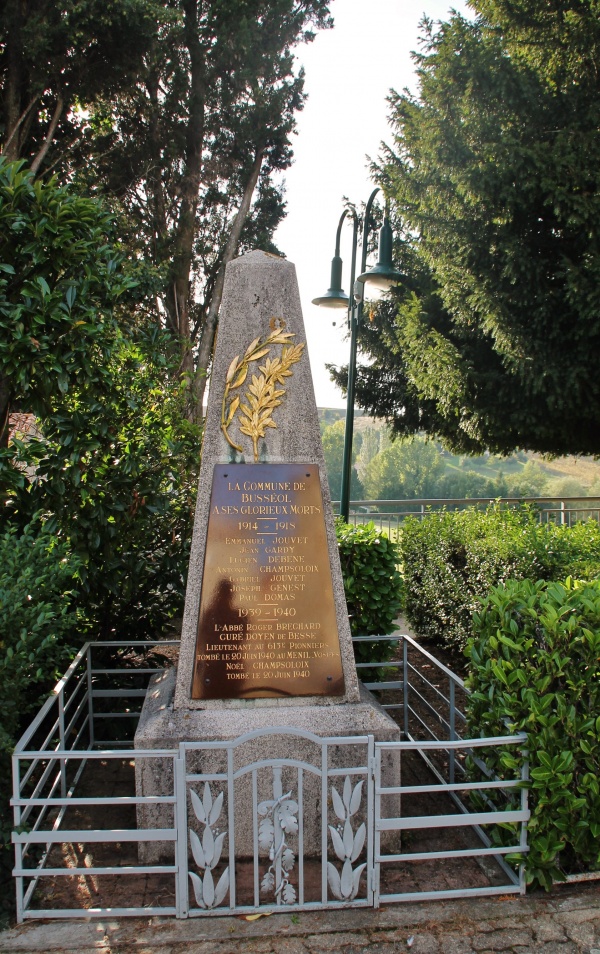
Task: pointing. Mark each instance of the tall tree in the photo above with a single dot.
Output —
(189, 151)
(183, 135)
(495, 174)
(405, 470)
(58, 56)
(333, 450)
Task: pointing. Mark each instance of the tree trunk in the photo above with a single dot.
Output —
(41, 154)
(13, 82)
(155, 186)
(4, 410)
(178, 292)
(209, 329)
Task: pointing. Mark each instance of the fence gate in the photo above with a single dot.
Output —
(260, 829)
(276, 818)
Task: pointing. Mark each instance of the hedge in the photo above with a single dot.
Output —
(535, 668)
(373, 589)
(450, 561)
(39, 635)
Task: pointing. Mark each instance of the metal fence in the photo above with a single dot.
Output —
(332, 822)
(390, 514)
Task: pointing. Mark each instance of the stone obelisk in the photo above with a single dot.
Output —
(265, 639)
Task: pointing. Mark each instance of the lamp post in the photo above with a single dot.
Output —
(381, 277)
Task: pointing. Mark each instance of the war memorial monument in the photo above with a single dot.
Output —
(266, 639)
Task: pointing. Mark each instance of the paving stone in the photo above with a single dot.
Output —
(555, 947)
(552, 947)
(393, 942)
(547, 929)
(379, 942)
(259, 945)
(583, 934)
(398, 940)
(144, 949)
(578, 916)
(287, 945)
(494, 924)
(502, 940)
(424, 944)
(336, 942)
(200, 947)
(565, 923)
(279, 945)
(456, 944)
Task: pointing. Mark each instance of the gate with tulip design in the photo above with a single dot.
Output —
(289, 830)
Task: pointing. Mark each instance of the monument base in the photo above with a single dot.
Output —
(163, 727)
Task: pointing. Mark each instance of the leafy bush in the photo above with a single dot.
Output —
(452, 559)
(373, 588)
(117, 479)
(60, 278)
(535, 664)
(38, 638)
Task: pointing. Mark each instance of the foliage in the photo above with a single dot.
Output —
(58, 56)
(535, 664)
(39, 621)
(181, 114)
(333, 450)
(117, 478)
(192, 149)
(106, 423)
(492, 337)
(469, 483)
(406, 469)
(39, 633)
(114, 461)
(416, 467)
(372, 585)
(370, 446)
(60, 279)
(531, 482)
(452, 559)
(565, 487)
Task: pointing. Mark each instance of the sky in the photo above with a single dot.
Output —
(349, 73)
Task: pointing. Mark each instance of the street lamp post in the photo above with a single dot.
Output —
(381, 277)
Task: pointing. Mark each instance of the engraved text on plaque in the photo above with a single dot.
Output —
(267, 623)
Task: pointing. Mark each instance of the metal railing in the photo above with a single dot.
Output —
(66, 740)
(433, 719)
(80, 850)
(390, 514)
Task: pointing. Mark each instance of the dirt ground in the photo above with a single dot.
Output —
(116, 778)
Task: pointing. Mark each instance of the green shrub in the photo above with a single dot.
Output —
(117, 479)
(38, 638)
(535, 666)
(578, 551)
(373, 589)
(452, 559)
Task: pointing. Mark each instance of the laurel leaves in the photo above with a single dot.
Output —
(265, 391)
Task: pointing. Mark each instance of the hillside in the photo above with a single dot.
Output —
(519, 474)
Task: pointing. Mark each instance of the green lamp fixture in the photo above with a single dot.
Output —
(383, 276)
(335, 296)
(380, 278)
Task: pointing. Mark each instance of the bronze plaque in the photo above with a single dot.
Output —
(267, 624)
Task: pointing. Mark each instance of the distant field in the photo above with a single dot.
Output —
(584, 471)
